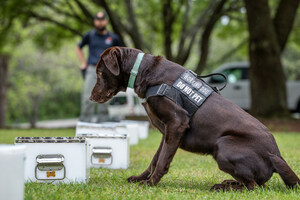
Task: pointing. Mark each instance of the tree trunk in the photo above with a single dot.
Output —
(284, 20)
(268, 91)
(3, 87)
(33, 112)
(168, 21)
(205, 38)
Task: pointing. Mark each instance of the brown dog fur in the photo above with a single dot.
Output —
(240, 144)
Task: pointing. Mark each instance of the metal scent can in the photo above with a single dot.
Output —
(12, 171)
(55, 159)
(108, 151)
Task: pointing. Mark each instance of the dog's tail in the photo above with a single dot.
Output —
(286, 173)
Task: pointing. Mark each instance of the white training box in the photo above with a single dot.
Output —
(107, 145)
(12, 160)
(143, 127)
(55, 159)
(86, 128)
(108, 151)
(131, 130)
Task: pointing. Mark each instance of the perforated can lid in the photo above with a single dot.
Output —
(104, 136)
(49, 140)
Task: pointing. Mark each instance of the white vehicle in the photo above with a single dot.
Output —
(125, 104)
(238, 87)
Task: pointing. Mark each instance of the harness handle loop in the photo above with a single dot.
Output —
(214, 74)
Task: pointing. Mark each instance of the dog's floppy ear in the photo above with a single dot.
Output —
(111, 60)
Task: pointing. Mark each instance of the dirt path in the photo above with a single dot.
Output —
(282, 125)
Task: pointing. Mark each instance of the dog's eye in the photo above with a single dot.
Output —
(99, 74)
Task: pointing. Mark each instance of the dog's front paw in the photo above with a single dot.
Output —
(149, 182)
(134, 179)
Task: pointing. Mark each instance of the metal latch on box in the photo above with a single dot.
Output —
(101, 156)
(50, 167)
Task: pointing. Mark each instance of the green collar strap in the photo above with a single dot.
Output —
(135, 70)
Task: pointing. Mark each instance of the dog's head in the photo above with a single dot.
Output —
(108, 75)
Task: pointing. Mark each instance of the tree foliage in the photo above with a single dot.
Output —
(168, 27)
(43, 85)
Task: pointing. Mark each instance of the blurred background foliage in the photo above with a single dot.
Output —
(39, 37)
(43, 84)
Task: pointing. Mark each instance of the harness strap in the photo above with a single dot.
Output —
(158, 90)
(172, 94)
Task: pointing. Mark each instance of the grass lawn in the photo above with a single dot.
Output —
(190, 175)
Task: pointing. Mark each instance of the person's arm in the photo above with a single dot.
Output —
(80, 55)
(85, 40)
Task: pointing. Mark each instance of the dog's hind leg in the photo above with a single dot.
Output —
(242, 183)
(231, 182)
(242, 163)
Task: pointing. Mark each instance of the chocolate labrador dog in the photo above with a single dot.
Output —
(240, 144)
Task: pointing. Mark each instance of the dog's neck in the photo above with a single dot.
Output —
(140, 85)
(145, 77)
(135, 69)
(154, 70)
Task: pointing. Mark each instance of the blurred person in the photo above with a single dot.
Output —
(97, 40)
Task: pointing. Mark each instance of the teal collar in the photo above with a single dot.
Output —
(135, 70)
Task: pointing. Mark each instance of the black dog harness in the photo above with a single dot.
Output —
(187, 91)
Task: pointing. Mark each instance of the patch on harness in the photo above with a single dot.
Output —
(187, 91)
(192, 88)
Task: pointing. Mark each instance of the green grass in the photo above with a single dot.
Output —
(190, 175)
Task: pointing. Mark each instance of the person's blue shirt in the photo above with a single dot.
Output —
(98, 43)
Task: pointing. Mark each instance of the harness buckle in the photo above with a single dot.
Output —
(162, 89)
